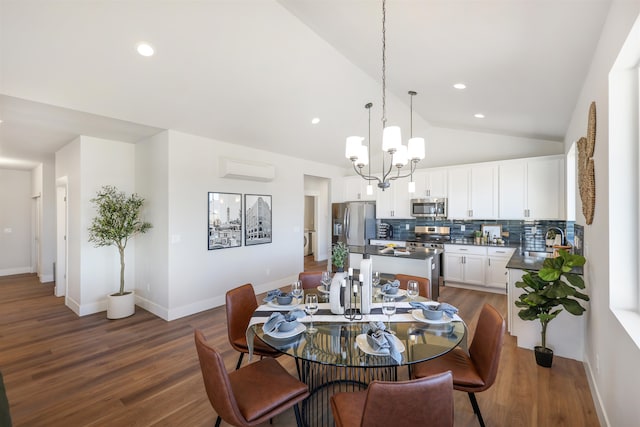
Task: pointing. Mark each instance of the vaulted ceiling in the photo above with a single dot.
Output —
(255, 72)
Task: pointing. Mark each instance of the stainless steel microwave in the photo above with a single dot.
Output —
(432, 207)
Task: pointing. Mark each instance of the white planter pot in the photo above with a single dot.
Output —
(119, 306)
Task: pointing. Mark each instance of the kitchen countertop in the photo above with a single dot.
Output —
(375, 250)
(520, 262)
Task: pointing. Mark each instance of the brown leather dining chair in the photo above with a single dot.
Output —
(421, 402)
(477, 370)
(250, 395)
(240, 304)
(310, 279)
(423, 284)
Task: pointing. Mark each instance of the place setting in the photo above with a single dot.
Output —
(434, 313)
(379, 341)
(285, 325)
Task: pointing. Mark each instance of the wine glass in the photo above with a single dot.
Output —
(412, 289)
(326, 279)
(389, 308)
(296, 290)
(375, 280)
(311, 307)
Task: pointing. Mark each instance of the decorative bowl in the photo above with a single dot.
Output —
(432, 313)
(284, 299)
(390, 290)
(287, 326)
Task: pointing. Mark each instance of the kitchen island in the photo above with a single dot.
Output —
(565, 335)
(419, 263)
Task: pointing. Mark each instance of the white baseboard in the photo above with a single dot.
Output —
(17, 270)
(152, 307)
(597, 399)
(46, 278)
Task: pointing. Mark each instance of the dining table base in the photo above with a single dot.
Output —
(326, 380)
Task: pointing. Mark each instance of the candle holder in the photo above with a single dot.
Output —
(352, 295)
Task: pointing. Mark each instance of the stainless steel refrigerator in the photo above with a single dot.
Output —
(354, 223)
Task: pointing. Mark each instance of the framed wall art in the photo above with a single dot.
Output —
(224, 220)
(257, 219)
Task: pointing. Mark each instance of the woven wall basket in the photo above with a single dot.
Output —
(586, 167)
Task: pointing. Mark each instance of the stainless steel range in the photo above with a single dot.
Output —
(431, 238)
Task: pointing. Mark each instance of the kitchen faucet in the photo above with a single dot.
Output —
(559, 230)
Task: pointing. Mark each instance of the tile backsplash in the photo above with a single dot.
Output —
(528, 235)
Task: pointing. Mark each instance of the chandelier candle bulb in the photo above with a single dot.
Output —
(363, 156)
(353, 144)
(416, 148)
(401, 157)
(391, 139)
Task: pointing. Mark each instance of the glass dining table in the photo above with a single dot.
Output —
(337, 357)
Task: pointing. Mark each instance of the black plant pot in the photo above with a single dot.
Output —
(544, 356)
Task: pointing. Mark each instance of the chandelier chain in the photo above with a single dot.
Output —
(384, 64)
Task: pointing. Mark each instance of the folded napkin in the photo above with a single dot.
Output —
(391, 287)
(271, 295)
(276, 319)
(381, 340)
(448, 309)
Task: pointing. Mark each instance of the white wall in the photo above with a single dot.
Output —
(199, 278)
(611, 355)
(15, 222)
(472, 147)
(152, 182)
(43, 187)
(93, 273)
(68, 165)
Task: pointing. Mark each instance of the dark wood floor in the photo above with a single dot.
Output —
(61, 370)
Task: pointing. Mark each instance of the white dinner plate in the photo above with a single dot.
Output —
(322, 290)
(362, 342)
(274, 303)
(417, 314)
(288, 334)
(400, 293)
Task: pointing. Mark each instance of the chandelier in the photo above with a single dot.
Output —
(399, 154)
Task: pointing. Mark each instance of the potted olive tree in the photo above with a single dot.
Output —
(547, 292)
(339, 255)
(117, 220)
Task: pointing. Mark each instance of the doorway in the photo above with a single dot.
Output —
(60, 271)
(316, 219)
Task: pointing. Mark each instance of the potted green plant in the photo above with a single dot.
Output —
(117, 220)
(547, 292)
(339, 255)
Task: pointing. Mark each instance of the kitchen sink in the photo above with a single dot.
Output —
(537, 254)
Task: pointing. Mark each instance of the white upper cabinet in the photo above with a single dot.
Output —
(394, 202)
(532, 188)
(545, 188)
(355, 188)
(473, 192)
(430, 183)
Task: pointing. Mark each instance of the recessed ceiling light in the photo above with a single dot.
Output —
(145, 49)
(460, 86)
(479, 116)
(315, 120)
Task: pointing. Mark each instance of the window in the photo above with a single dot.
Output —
(624, 185)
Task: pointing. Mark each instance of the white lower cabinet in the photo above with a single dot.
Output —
(496, 274)
(464, 264)
(480, 266)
